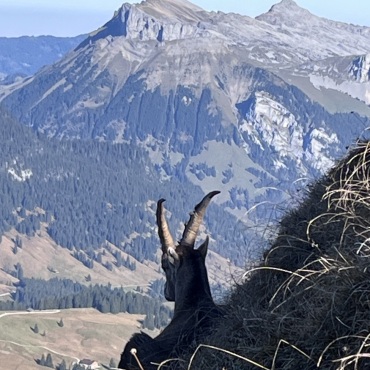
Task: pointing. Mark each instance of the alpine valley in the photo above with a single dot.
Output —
(169, 100)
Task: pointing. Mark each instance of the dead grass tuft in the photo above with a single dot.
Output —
(307, 305)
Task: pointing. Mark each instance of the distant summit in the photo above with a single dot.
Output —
(286, 12)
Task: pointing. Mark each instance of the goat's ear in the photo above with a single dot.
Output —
(203, 249)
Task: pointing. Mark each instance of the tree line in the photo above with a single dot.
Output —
(39, 294)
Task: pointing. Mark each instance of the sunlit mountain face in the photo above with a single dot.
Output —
(254, 107)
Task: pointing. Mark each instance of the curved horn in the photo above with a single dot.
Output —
(196, 218)
(163, 230)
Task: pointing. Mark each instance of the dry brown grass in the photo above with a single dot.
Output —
(40, 252)
(307, 304)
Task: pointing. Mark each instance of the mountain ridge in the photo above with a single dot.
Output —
(24, 56)
(144, 22)
(175, 93)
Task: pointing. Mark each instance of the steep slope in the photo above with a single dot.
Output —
(87, 209)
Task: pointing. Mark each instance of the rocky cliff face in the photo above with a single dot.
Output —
(155, 20)
(359, 69)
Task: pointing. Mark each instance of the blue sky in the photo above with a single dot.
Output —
(73, 17)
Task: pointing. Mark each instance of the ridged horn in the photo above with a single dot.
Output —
(163, 230)
(196, 218)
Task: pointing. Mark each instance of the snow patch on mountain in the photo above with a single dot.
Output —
(20, 176)
(16, 172)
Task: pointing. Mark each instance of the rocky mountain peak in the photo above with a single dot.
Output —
(156, 20)
(290, 4)
(287, 6)
(287, 12)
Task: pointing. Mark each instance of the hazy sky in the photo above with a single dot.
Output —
(73, 17)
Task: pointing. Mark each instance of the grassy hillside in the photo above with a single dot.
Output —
(40, 256)
(86, 333)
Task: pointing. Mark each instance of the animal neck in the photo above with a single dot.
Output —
(192, 289)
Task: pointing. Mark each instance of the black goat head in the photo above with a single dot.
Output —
(173, 253)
